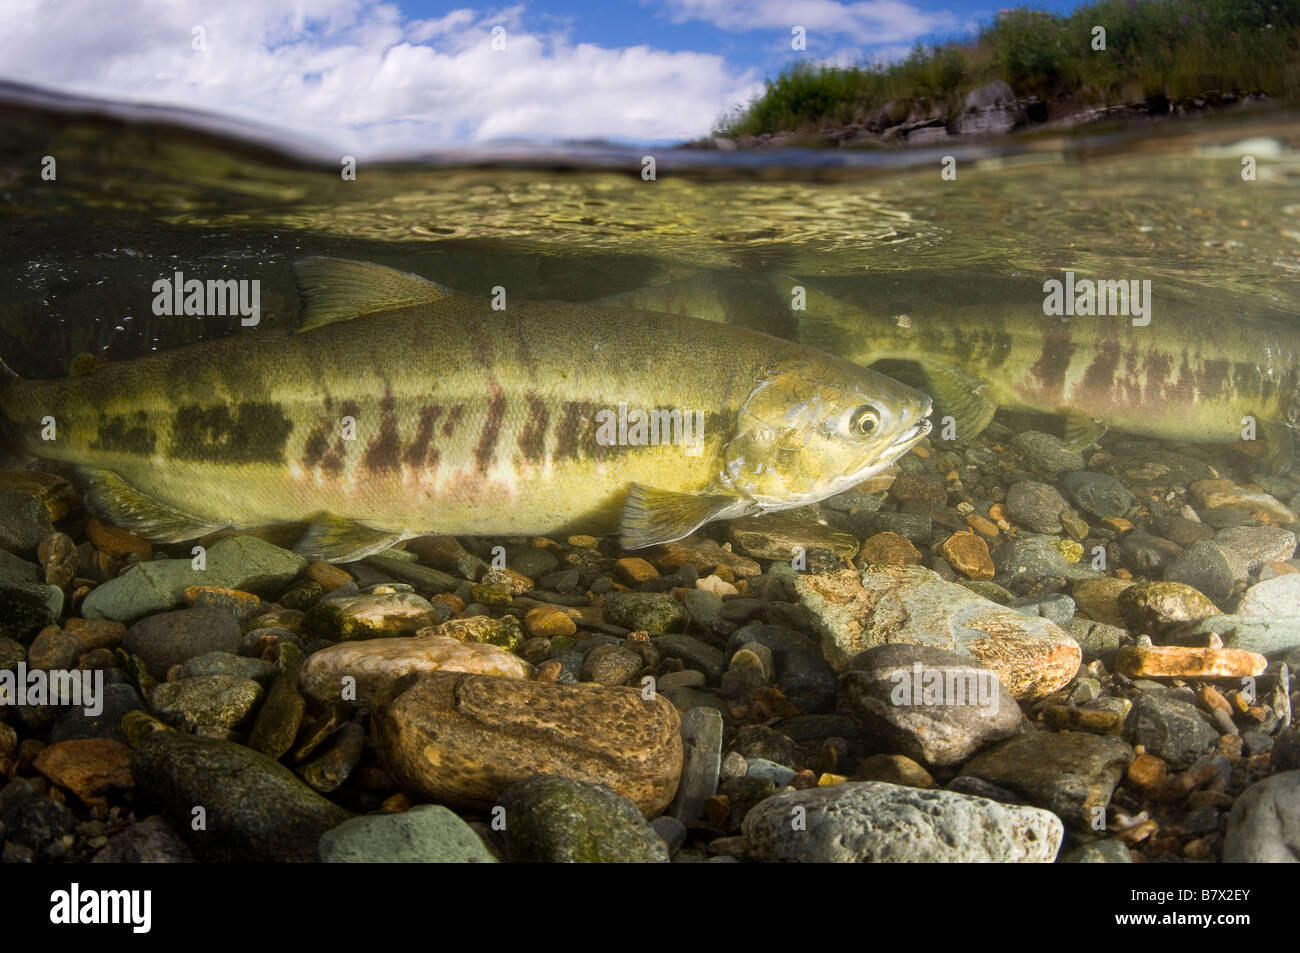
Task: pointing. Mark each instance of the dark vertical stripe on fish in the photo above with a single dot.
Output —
(487, 441)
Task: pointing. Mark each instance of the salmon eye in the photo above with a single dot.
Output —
(865, 421)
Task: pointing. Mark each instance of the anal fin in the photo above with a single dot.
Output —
(108, 495)
(653, 516)
(334, 539)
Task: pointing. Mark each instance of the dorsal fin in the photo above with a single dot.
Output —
(336, 289)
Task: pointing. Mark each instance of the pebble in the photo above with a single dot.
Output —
(1176, 661)
(171, 638)
(329, 577)
(552, 819)
(506, 632)
(701, 730)
(1257, 545)
(461, 739)
(931, 705)
(371, 616)
(39, 824)
(1219, 495)
(116, 541)
(1072, 774)
(376, 664)
(869, 821)
(150, 841)
(426, 834)
(1106, 851)
(889, 549)
(783, 537)
(89, 767)
(969, 555)
(1207, 567)
(1045, 452)
(696, 653)
(1151, 607)
(894, 769)
(336, 760)
(1021, 563)
(1036, 506)
(280, 716)
(653, 612)
(24, 522)
(1031, 656)
(224, 663)
(610, 665)
(220, 701)
(635, 571)
(1097, 493)
(1170, 726)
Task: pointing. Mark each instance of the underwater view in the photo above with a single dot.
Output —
(545, 502)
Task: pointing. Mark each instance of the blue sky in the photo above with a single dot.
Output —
(376, 77)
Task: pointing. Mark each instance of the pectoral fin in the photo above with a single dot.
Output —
(1082, 431)
(112, 497)
(960, 395)
(1281, 446)
(333, 539)
(653, 516)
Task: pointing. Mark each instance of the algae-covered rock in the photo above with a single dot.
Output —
(553, 819)
(253, 809)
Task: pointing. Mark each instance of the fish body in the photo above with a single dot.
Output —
(401, 409)
(1189, 374)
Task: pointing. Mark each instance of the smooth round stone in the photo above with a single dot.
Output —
(1096, 493)
(1207, 566)
(427, 834)
(1037, 506)
(375, 664)
(1044, 452)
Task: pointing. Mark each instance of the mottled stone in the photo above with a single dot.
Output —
(869, 821)
(462, 739)
(376, 664)
(934, 706)
(1072, 774)
(1031, 656)
(551, 819)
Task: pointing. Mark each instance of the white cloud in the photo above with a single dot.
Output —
(356, 75)
(870, 22)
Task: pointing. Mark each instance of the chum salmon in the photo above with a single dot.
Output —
(401, 409)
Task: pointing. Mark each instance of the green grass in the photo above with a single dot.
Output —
(1174, 48)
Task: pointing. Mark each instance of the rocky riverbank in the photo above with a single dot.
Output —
(1120, 626)
(991, 110)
